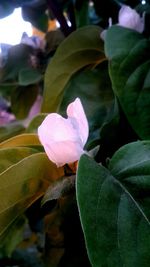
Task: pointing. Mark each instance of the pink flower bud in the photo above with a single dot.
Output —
(129, 18)
(64, 139)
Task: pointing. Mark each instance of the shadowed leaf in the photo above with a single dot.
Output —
(129, 56)
(82, 48)
(60, 189)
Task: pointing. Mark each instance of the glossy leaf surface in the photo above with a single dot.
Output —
(114, 207)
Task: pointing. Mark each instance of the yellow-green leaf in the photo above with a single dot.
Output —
(21, 140)
(22, 184)
(10, 156)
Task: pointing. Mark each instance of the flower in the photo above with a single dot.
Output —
(129, 18)
(63, 139)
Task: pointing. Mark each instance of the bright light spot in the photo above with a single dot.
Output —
(58, 24)
(143, 2)
(91, 4)
(12, 27)
(69, 23)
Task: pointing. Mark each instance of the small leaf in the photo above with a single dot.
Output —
(59, 189)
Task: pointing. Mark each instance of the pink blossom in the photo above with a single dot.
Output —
(129, 18)
(64, 139)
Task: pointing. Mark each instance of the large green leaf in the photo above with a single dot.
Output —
(93, 87)
(10, 156)
(129, 55)
(21, 140)
(23, 183)
(114, 207)
(82, 48)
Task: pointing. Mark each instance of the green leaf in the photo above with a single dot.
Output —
(21, 140)
(93, 87)
(59, 189)
(82, 48)
(10, 130)
(10, 156)
(114, 213)
(128, 53)
(21, 184)
(82, 13)
(53, 39)
(22, 99)
(6, 89)
(29, 76)
(13, 237)
(132, 161)
(19, 57)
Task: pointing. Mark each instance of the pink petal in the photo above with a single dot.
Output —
(129, 18)
(56, 128)
(63, 152)
(75, 111)
(63, 139)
